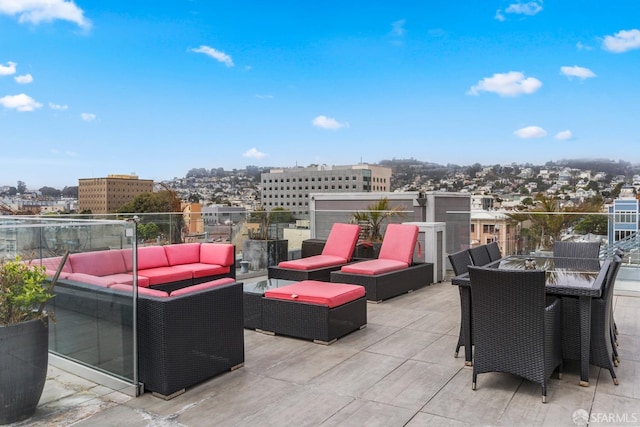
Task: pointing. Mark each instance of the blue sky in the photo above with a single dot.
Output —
(91, 88)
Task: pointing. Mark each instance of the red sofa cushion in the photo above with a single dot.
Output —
(100, 263)
(217, 253)
(141, 291)
(313, 262)
(202, 286)
(316, 292)
(199, 270)
(374, 266)
(152, 257)
(127, 279)
(399, 242)
(342, 240)
(182, 253)
(91, 279)
(162, 275)
(147, 253)
(53, 262)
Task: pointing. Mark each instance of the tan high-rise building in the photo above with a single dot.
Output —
(107, 195)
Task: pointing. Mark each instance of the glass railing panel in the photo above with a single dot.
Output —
(92, 327)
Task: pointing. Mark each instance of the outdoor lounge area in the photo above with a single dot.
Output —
(399, 370)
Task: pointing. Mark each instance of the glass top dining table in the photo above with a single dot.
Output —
(582, 278)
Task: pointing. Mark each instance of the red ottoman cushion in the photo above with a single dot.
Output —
(316, 292)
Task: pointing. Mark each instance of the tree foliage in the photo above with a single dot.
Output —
(50, 192)
(164, 201)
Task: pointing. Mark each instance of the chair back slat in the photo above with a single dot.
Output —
(460, 262)
(480, 255)
(494, 251)
(576, 249)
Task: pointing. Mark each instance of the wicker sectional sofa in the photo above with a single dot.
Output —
(188, 329)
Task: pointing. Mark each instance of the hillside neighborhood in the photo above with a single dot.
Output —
(508, 185)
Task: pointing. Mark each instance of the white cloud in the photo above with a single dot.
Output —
(397, 28)
(254, 154)
(512, 83)
(325, 122)
(24, 79)
(575, 71)
(260, 96)
(57, 107)
(529, 8)
(215, 54)
(7, 70)
(20, 102)
(37, 11)
(564, 135)
(71, 153)
(622, 41)
(529, 132)
(581, 46)
(88, 117)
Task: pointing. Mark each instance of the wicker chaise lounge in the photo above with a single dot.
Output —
(337, 252)
(393, 273)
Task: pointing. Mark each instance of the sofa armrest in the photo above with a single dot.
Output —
(187, 339)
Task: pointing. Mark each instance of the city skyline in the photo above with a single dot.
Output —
(90, 89)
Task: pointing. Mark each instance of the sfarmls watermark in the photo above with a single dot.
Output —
(582, 417)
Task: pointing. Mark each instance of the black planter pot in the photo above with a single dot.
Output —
(367, 251)
(24, 359)
(264, 253)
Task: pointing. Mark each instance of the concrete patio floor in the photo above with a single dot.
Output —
(398, 371)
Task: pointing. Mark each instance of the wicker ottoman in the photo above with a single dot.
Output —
(314, 310)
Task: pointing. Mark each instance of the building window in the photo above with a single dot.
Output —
(473, 228)
(626, 217)
(488, 228)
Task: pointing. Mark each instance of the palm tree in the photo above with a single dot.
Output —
(549, 217)
(373, 218)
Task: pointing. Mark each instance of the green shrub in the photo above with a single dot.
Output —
(24, 290)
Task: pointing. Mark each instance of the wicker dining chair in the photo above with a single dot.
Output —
(602, 352)
(494, 251)
(516, 327)
(460, 262)
(576, 249)
(480, 255)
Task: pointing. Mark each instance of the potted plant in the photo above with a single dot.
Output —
(371, 222)
(24, 337)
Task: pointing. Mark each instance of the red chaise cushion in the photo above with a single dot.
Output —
(399, 242)
(342, 240)
(374, 266)
(313, 262)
